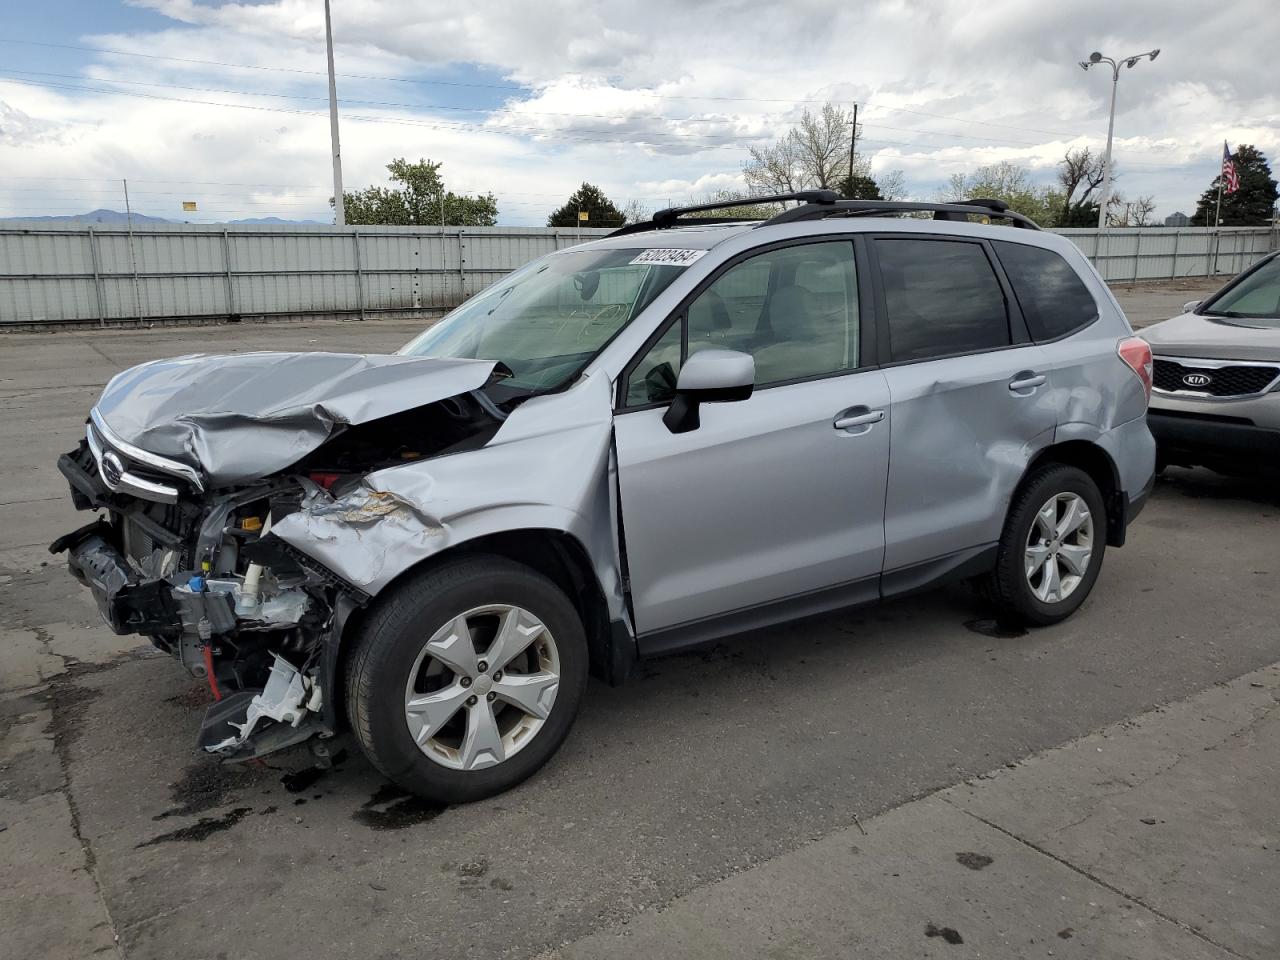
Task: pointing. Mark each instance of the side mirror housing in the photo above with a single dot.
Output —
(709, 376)
(1191, 305)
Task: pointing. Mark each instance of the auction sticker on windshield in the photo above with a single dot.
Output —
(669, 256)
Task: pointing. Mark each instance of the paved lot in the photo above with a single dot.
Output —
(709, 765)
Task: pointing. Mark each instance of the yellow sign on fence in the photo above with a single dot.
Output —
(188, 205)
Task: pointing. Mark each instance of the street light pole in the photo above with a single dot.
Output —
(1096, 58)
(853, 140)
(339, 211)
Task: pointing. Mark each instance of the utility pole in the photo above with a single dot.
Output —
(1096, 58)
(133, 253)
(853, 140)
(339, 211)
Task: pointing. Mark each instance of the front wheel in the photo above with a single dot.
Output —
(1051, 549)
(467, 679)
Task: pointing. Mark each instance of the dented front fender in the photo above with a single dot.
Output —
(549, 467)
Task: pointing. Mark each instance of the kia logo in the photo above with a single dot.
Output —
(1197, 379)
(112, 469)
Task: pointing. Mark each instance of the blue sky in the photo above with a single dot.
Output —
(655, 102)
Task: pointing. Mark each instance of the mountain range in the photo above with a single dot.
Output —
(117, 217)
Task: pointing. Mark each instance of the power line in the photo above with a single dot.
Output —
(988, 123)
(629, 136)
(502, 86)
(540, 113)
(622, 136)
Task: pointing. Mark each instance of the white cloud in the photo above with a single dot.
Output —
(651, 101)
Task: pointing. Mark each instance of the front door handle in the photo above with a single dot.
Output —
(1026, 380)
(844, 422)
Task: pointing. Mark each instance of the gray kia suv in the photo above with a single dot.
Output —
(693, 427)
(1217, 377)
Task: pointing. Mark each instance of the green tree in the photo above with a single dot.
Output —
(1008, 182)
(861, 186)
(420, 200)
(1253, 204)
(588, 199)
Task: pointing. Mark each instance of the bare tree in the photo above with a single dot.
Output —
(635, 212)
(755, 211)
(814, 154)
(892, 186)
(823, 143)
(1143, 207)
(1119, 210)
(775, 169)
(1079, 170)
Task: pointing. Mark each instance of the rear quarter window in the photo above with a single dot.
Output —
(1053, 298)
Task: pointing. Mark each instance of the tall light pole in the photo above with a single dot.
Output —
(1096, 58)
(853, 140)
(339, 212)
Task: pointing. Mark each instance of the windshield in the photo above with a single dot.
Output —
(548, 319)
(1256, 297)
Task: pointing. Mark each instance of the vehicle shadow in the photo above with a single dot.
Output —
(1199, 484)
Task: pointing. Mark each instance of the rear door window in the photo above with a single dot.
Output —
(1053, 298)
(942, 298)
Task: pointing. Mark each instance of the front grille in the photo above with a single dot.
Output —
(1232, 380)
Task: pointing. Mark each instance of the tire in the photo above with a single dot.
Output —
(386, 668)
(1024, 598)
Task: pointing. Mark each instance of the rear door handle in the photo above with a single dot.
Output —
(859, 420)
(1026, 380)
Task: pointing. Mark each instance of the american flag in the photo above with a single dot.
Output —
(1229, 176)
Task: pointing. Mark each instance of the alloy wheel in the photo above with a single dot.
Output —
(1059, 547)
(482, 687)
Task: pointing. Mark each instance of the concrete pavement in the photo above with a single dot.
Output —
(1154, 838)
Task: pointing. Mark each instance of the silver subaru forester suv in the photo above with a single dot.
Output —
(688, 429)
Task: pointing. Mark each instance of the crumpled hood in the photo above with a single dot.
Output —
(1191, 335)
(242, 416)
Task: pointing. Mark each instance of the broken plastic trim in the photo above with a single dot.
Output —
(287, 699)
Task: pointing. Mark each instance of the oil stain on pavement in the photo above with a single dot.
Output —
(202, 829)
(393, 808)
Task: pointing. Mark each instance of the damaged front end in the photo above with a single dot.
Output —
(184, 574)
(182, 550)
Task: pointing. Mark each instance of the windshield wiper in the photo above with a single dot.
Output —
(500, 372)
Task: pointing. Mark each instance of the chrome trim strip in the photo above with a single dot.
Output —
(142, 456)
(1217, 365)
(128, 483)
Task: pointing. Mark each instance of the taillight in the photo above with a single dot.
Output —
(1136, 353)
(327, 480)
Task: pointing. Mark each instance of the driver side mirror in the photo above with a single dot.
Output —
(709, 376)
(1191, 305)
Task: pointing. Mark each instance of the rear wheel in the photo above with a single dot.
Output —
(467, 679)
(1051, 549)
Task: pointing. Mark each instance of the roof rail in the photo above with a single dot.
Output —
(959, 210)
(665, 219)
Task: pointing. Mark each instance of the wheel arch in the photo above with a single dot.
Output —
(1097, 463)
(557, 555)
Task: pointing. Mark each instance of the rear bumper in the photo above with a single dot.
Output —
(1195, 439)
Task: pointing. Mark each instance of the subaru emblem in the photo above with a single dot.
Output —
(112, 469)
(1197, 379)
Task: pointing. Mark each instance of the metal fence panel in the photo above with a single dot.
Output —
(60, 272)
(1164, 253)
